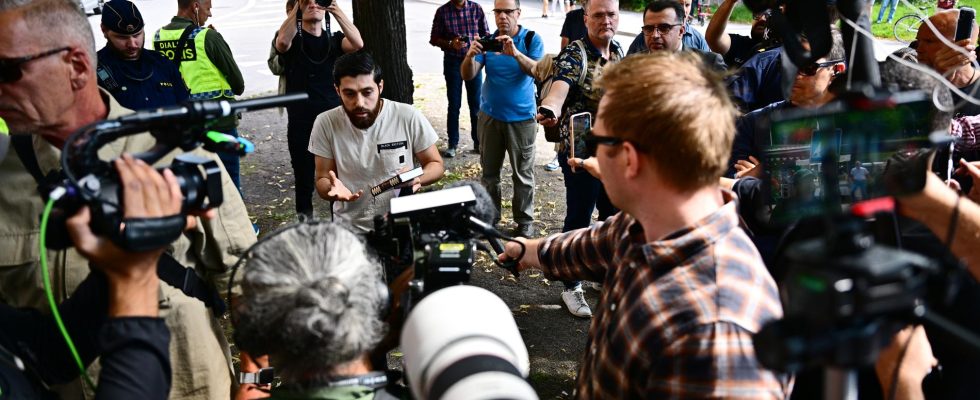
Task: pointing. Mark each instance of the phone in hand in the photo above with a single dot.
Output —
(546, 112)
(964, 25)
(578, 124)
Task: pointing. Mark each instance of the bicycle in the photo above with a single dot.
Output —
(907, 27)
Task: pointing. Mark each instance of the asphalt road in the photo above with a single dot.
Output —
(248, 26)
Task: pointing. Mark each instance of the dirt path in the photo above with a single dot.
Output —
(554, 338)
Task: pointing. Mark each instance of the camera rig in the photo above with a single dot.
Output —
(436, 235)
(86, 179)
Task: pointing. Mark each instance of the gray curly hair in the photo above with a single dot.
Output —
(311, 299)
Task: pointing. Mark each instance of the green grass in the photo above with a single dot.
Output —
(882, 30)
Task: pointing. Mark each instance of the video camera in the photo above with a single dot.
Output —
(87, 179)
(436, 235)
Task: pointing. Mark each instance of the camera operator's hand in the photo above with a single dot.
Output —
(751, 167)
(949, 58)
(512, 251)
(132, 276)
(906, 172)
(507, 43)
(475, 49)
(415, 183)
(545, 121)
(973, 170)
(339, 191)
(905, 363)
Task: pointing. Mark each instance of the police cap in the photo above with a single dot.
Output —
(122, 16)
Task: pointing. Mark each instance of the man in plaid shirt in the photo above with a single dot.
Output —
(684, 289)
(456, 24)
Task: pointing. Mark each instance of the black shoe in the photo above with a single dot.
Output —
(524, 230)
(449, 153)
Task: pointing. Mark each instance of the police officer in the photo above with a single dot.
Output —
(138, 78)
(205, 62)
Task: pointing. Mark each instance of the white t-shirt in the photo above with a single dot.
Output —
(366, 157)
(859, 173)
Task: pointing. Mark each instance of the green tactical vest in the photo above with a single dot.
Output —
(201, 76)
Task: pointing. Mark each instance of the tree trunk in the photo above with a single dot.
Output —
(382, 26)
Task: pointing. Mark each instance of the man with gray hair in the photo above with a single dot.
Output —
(312, 300)
(48, 90)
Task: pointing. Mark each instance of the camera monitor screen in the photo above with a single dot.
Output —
(822, 161)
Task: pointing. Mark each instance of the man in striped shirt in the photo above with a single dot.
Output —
(684, 289)
(456, 24)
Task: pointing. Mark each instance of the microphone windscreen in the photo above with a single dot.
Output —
(484, 209)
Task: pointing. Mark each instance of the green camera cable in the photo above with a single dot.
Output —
(55, 195)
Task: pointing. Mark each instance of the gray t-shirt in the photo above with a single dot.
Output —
(859, 174)
(366, 157)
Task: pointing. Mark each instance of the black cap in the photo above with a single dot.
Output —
(122, 16)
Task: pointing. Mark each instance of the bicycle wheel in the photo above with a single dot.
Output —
(907, 27)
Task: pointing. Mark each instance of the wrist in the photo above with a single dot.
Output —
(134, 296)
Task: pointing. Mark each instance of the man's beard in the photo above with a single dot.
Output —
(365, 121)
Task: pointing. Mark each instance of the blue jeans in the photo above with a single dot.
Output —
(583, 194)
(454, 90)
(231, 161)
(893, 4)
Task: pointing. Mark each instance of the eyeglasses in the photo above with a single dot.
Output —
(811, 70)
(592, 142)
(507, 11)
(664, 29)
(602, 15)
(11, 68)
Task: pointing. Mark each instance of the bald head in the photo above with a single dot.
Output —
(929, 43)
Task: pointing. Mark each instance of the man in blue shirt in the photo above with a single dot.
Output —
(691, 39)
(506, 120)
(136, 77)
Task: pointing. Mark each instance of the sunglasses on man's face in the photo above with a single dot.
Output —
(811, 69)
(592, 142)
(11, 69)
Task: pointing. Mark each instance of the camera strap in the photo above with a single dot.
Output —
(168, 269)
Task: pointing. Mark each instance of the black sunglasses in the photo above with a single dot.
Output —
(10, 68)
(811, 70)
(664, 29)
(592, 142)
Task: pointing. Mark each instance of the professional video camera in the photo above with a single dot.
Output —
(437, 234)
(86, 179)
(849, 286)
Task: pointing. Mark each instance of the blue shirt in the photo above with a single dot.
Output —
(508, 93)
(149, 82)
(758, 83)
(751, 133)
(692, 40)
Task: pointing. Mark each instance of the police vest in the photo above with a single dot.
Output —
(203, 79)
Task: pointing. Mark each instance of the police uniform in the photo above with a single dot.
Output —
(209, 71)
(151, 80)
(199, 352)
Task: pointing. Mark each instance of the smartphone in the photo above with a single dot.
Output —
(964, 25)
(546, 112)
(579, 124)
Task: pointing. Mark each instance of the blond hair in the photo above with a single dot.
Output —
(674, 109)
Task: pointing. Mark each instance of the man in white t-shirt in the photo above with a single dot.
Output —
(366, 141)
(859, 181)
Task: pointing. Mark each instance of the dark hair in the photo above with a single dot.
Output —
(660, 5)
(355, 64)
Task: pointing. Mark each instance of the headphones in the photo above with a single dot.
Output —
(382, 286)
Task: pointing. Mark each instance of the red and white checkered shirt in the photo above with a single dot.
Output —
(676, 316)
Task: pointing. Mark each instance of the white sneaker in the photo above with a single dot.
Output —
(575, 303)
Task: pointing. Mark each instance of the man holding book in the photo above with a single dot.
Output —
(367, 141)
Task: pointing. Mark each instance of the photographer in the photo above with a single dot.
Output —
(307, 59)
(506, 120)
(51, 96)
(956, 64)
(677, 270)
(114, 312)
(313, 301)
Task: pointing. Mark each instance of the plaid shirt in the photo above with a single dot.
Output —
(966, 129)
(675, 318)
(451, 22)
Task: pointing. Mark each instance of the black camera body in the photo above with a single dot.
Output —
(490, 43)
(324, 3)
